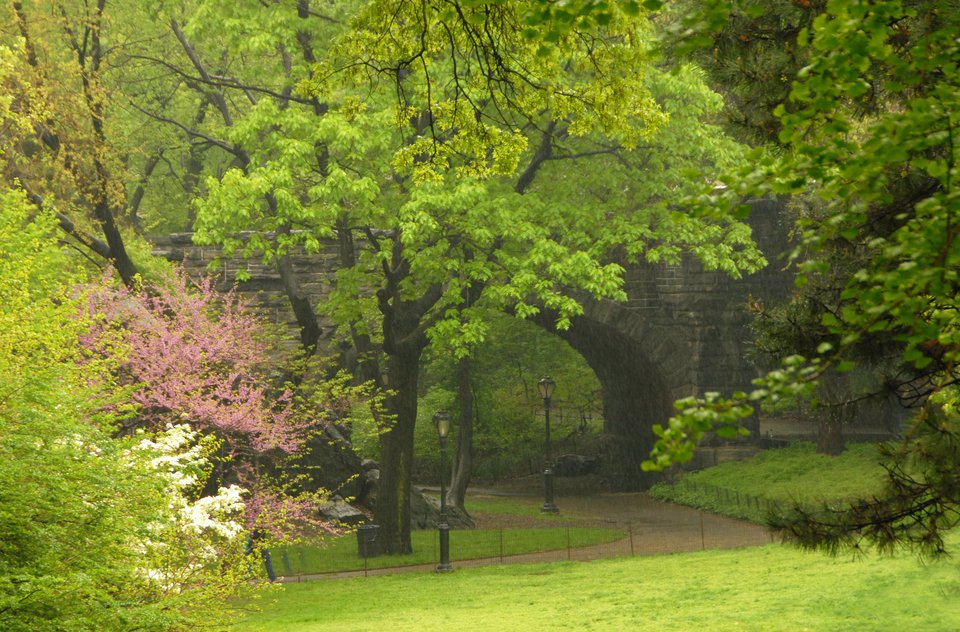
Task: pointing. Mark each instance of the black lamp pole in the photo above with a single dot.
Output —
(546, 386)
(442, 421)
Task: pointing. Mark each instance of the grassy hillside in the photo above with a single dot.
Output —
(748, 489)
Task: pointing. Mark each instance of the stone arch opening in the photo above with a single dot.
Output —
(641, 373)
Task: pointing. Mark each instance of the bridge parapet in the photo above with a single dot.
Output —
(260, 283)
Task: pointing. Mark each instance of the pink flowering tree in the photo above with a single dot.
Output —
(189, 355)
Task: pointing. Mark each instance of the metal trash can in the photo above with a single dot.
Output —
(368, 540)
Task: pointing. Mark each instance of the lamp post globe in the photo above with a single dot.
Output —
(442, 422)
(546, 387)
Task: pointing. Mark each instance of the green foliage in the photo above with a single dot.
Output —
(90, 527)
(533, 246)
(429, 140)
(54, 484)
(365, 432)
(434, 141)
(36, 278)
(482, 70)
(749, 50)
(917, 505)
(869, 132)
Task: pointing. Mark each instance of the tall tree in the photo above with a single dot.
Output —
(68, 158)
(442, 122)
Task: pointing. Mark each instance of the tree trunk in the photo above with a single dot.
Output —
(137, 198)
(193, 168)
(392, 512)
(835, 390)
(364, 365)
(118, 252)
(310, 329)
(463, 451)
(300, 303)
(830, 432)
(405, 323)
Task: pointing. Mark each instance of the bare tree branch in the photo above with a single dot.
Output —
(222, 144)
(217, 98)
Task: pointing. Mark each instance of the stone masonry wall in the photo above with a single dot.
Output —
(707, 313)
(263, 287)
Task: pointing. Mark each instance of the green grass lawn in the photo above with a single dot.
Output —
(770, 588)
(511, 505)
(765, 589)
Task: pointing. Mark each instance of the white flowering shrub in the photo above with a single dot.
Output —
(180, 456)
(200, 538)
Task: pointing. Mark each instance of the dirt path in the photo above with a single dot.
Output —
(654, 526)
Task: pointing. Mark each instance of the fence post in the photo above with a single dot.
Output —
(630, 531)
(568, 543)
(703, 540)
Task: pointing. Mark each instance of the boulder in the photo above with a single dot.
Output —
(424, 509)
(339, 510)
(425, 512)
(576, 465)
(329, 462)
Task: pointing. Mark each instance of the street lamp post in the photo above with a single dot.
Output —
(546, 386)
(442, 421)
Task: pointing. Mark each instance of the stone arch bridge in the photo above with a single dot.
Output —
(683, 331)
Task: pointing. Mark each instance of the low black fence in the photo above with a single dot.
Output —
(692, 531)
(730, 501)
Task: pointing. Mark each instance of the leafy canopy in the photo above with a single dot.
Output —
(870, 132)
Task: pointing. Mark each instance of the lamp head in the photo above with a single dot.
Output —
(546, 386)
(442, 421)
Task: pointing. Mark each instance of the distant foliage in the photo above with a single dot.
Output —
(508, 426)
